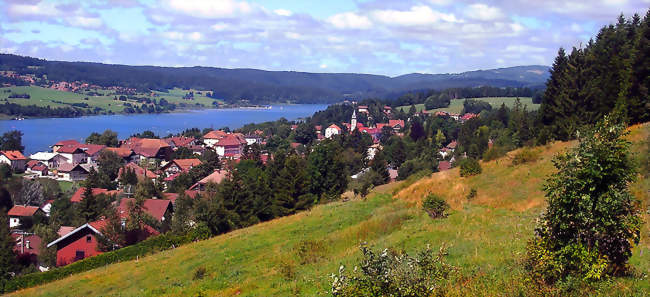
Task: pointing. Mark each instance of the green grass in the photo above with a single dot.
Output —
(487, 237)
(456, 105)
(47, 97)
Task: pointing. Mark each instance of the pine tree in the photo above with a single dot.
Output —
(380, 166)
(639, 94)
(7, 254)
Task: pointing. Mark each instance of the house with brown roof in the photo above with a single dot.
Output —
(397, 125)
(15, 159)
(71, 172)
(228, 145)
(180, 165)
(79, 194)
(21, 215)
(78, 244)
(37, 167)
(52, 160)
(124, 152)
(159, 209)
(332, 130)
(180, 141)
(139, 171)
(73, 153)
(92, 151)
(212, 137)
(215, 177)
(149, 148)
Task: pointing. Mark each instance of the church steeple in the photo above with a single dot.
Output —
(353, 122)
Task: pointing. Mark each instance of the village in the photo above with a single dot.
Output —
(152, 159)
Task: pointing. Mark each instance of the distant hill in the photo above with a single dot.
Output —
(266, 86)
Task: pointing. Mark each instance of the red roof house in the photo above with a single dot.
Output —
(19, 213)
(180, 165)
(215, 178)
(78, 195)
(78, 244)
(139, 171)
(15, 159)
(149, 147)
(159, 209)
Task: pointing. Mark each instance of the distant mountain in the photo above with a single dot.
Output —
(266, 86)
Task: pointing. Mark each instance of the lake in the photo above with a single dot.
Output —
(39, 134)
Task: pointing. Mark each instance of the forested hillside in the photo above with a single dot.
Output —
(267, 86)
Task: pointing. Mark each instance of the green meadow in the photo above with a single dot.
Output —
(456, 105)
(48, 97)
(295, 255)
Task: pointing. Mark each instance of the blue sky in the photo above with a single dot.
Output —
(363, 36)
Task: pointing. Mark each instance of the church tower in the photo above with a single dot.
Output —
(353, 122)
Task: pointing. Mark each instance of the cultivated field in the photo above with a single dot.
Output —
(456, 105)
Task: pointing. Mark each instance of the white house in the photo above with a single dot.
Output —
(332, 130)
(73, 153)
(52, 160)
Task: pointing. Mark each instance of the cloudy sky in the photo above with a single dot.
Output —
(364, 36)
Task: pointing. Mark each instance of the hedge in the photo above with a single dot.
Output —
(149, 246)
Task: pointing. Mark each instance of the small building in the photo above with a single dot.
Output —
(397, 125)
(71, 172)
(21, 215)
(78, 244)
(180, 141)
(92, 151)
(363, 108)
(216, 177)
(78, 195)
(332, 130)
(125, 153)
(139, 171)
(180, 165)
(47, 207)
(38, 168)
(252, 139)
(27, 246)
(52, 160)
(159, 209)
(212, 137)
(149, 148)
(14, 159)
(73, 153)
(62, 143)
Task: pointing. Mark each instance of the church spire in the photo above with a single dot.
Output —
(353, 122)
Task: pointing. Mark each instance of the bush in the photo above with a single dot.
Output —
(435, 206)
(469, 167)
(494, 153)
(592, 222)
(199, 273)
(472, 194)
(391, 273)
(311, 251)
(525, 155)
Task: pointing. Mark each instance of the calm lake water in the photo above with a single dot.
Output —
(39, 134)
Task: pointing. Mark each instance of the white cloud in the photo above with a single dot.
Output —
(483, 12)
(39, 9)
(322, 66)
(350, 20)
(195, 36)
(292, 35)
(283, 12)
(210, 9)
(420, 15)
(85, 22)
(441, 2)
(219, 26)
(576, 28)
(523, 48)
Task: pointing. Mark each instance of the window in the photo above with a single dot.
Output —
(79, 255)
(89, 238)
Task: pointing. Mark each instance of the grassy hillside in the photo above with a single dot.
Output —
(487, 237)
(456, 105)
(54, 98)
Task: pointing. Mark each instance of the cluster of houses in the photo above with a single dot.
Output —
(29, 78)
(70, 160)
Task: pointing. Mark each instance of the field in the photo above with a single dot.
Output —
(456, 105)
(487, 236)
(54, 98)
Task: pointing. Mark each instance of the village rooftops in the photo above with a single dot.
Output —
(22, 211)
(154, 207)
(123, 152)
(215, 134)
(78, 195)
(13, 155)
(180, 141)
(67, 142)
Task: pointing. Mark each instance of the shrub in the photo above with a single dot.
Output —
(469, 167)
(592, 221)
(391, 273)
(472, 194)
(199, 273)
(435, 206)
(525, 155)
(311, 251)
(494, 153)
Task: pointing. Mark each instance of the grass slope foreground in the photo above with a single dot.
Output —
(295, 256)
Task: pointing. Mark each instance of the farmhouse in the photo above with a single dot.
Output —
(62, 143)
(52, 160)
(15, 159)
(71, 172)
(37, 167)
(73, 153)
(124, 152)
(78, 244)
(180, 165)
(148, 148)
(215, 178)
(21, 215)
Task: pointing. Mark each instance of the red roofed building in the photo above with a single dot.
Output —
(212, 137)
(78, 195)
(468, 116)
(173, 196)
(38, 168)
(78, 244)
(332, 130)
(21, 214)
(396, 125)
(159, 209)
(73, 152)
(216, 177)
(124, 152)
(62, 143)
(139, 171)
(179, 141)
(180, 165)
(444, 165)
(363, 108)
(92, 151)
(71, 172)
(15, 159)
(146, 148)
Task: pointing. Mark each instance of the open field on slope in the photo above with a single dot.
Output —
(456, 105)
(44, 97)
(487, 237)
